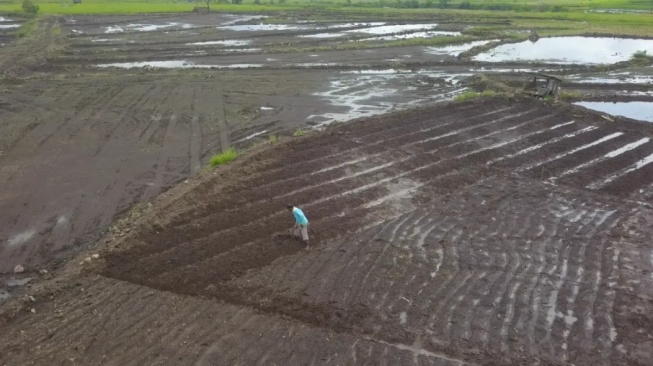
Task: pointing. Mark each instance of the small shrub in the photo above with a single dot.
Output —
(273, 138)
(640, 58)
(473, 95)
(224, 157)
(640, 54)
(27, 28)
(569, 95)
(299, 132)
(30, 8)
(465, 5)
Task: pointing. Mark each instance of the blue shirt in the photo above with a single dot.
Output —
(299, 216)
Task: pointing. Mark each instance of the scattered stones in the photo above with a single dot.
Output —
(33, 311)
(43, 271)
(95, 256)
(19, 269)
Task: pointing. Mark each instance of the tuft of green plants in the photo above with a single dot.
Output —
(569, 95)
(30, 8)
(27, 28)
(273, 138)
(474, 94)
(299, 132)
(640, 58)
(224, 157)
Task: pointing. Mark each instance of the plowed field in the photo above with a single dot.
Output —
(492, 232)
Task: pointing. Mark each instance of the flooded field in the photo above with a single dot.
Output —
(7, 28)
(569, 50)
(642, 111)
(471, 231)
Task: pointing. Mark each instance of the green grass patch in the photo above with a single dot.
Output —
(127, 7)
(563, 95)
(640, 58)
(272, 138)
(299, 132)
(28, 28)
(224, 157)
(474, 94)
(103, 7)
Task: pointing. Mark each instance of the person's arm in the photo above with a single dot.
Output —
(294, 214)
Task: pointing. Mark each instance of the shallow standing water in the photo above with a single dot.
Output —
(569, 50)
(636, 110)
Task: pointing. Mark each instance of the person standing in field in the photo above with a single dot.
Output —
(301, 223)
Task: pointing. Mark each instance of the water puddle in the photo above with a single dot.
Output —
(456, 49)
(613, 78)
(634, 93)
(618, 11)
(317, 64)
(349, 25)
(21, 238)
(243, 18)
(252, 136)
(18, 283)
(491, 70)
(323, 35)
(242, 50)
(569, 50)
(263, 27)
(175, 64)
(390, 29)
(5, 20)
(428, 34)
(9, 26)
(108, 40)
(298, 26)
(377, 72)
(364, 93)
(227, 43)
(636, 110)
(145, 27)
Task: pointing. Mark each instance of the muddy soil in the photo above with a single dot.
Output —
(487, 232)
(76, 153)
(435, 240)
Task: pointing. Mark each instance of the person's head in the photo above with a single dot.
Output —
(290, 207)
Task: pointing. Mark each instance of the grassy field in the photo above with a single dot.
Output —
(574, 18)
(160, 6)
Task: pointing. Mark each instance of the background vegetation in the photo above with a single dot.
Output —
(149, 6)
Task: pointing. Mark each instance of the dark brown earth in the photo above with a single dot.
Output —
(76, 155)
(499, 232)
(443, 235)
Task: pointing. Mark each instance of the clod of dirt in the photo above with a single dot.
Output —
(33, 311)
(95, 256)
(43, 271)
(19, 269)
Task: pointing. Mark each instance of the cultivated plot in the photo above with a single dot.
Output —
(471, 233)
